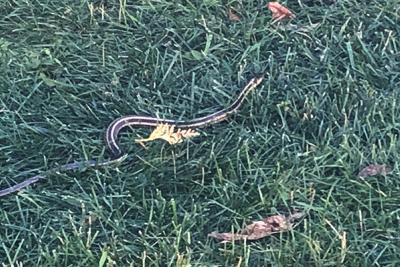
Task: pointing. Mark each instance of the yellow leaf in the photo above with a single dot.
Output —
(166, 132)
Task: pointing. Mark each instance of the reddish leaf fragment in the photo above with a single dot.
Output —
(233, 15)
(260, 229)
(374, 169)
(280, 12)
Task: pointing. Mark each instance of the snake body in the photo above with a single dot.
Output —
(115, 127)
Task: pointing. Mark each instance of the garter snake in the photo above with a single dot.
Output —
(114, 128)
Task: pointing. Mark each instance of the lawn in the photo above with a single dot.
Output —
(329, 105)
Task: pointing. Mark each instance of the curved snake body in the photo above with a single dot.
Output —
(117, 125)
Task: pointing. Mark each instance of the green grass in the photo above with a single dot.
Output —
(329, 106)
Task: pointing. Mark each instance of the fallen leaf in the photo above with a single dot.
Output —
(233, 15)
(166, 132)
(280, 12)
(260, 229)
(374, 169)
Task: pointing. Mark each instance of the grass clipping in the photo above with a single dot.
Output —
(167, 133)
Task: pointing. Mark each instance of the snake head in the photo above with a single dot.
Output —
(253, 83)
(258, 79)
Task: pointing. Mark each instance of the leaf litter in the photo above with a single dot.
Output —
(260, 229)
(280, 12)
(233, 15)
(374, 169)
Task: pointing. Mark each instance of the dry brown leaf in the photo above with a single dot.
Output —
(233, 15)
(280, 12)
(374, 169)
(260, 229)
(166, 132)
